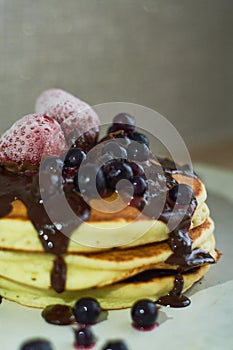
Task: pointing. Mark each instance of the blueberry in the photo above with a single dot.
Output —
(87, 311)
(138, 202)
(124, 121)
(115, 345)
(137, 169)
(36, 344)
(139, 137)
(122, 139)
(115, 171)
(84, 337)
(74, 157)
(139, 185)
(137, 151)
(89, 179)
(144, 313)
(182, 194)
(115, 149)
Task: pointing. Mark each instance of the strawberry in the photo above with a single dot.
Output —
(76, 117)
(30, 138)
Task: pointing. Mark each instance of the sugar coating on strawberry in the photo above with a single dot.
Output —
(69, 111)
(30, 138)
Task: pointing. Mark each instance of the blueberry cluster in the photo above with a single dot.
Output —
(116, 157)
(87, 312)
(122, 154)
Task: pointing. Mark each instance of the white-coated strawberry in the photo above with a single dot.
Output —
(30, 138)
(75, 116)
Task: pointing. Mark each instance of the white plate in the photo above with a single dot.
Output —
(206, 323)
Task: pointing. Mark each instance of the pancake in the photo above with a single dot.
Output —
(98, 269)
(111, 273)
(116, 296)
(23, 235)
(102, 274)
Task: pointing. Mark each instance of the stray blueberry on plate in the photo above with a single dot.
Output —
(84, 337)
(115, 345)
(37, 344)
(144, 313)
(87, 311)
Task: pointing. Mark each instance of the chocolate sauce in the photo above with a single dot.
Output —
(179, 240)
(26, 188)
(169, 166)
(58, 314)
(58, 274)
(175, 298)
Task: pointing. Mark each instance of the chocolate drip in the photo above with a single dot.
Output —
(58, 274)
(175, 298)
(196, 258)
(169, 166)
(26, 188)
(179, 240)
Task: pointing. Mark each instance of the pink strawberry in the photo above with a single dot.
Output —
(29, 139)
(76, 117)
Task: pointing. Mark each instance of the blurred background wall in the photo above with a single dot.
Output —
(174, 56)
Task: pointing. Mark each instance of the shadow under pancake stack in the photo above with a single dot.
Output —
(41, 266)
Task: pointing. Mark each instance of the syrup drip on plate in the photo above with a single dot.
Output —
(57, 314)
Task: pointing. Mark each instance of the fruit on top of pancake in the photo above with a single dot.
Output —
(115, 345)
(87, 311)
(78, 120)
(123, 121)
(30, 138)
(144, 313)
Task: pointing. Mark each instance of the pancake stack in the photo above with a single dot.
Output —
(139, 251)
